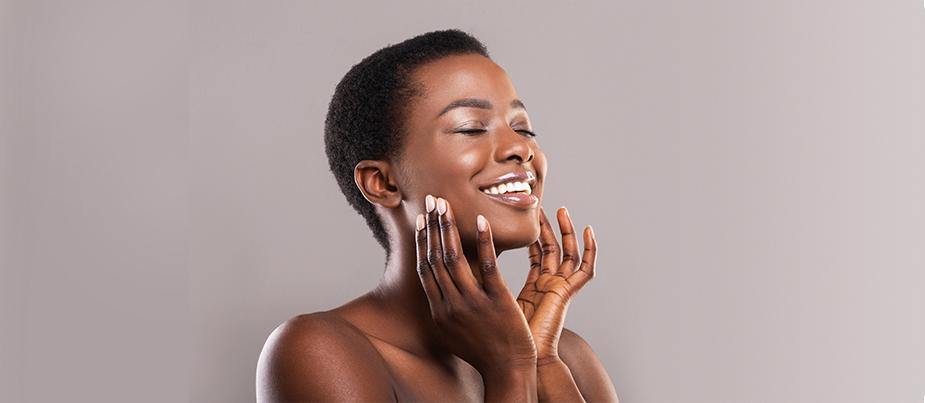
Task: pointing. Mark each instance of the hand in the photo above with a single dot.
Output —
(552, 282)
(481, 324)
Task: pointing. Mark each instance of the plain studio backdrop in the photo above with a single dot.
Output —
(754, 171)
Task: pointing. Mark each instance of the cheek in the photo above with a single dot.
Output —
(470, 159)
(456, 165)
(540, 162)
(443, 168)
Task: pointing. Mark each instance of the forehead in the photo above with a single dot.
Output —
(461, 76)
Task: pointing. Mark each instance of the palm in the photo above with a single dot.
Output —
(546, 289)
(553, 280)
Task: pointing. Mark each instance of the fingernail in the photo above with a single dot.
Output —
(429, 203)
(420, 222)
(566, 212)
(591, 230)
(441, 206)
(483, 224)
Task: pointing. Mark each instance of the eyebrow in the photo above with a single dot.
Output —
(477, 103)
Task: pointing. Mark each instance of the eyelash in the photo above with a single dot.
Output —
(531, 134)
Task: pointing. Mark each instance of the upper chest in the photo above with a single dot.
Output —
(416, 379)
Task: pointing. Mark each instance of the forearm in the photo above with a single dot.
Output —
(514, 385)
(555, 383)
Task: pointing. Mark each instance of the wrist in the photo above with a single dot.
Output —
(511, 369)
(548, 361)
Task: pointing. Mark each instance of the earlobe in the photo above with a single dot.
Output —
(373, 178)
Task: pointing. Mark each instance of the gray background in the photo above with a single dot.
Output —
(754, 171)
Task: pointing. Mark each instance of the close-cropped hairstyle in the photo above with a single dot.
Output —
(366, 114)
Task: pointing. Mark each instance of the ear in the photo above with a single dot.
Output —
(374, 179)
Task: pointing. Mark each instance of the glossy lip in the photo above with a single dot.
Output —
(514, 199)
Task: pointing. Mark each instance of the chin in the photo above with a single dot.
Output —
(515, 235)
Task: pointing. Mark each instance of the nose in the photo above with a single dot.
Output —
(513, 145)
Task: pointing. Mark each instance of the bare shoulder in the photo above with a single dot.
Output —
(586, 368)
(321, 357)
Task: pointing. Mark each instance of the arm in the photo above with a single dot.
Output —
(319, 358)
(512, 385)
(555, 383)
(585, 369)
(567, 370)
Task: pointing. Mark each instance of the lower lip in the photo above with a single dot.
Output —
(521, 200)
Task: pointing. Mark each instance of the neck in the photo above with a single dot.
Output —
(402, 297)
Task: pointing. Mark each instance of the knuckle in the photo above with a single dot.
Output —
(446, 224)
(423, 267)
(479, 301)
(433, 259)
(451, 257)
(487, 267)
(453, 314)
(440, 316)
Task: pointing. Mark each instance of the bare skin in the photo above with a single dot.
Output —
(442, 325)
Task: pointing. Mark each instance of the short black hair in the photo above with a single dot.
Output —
(365, 117)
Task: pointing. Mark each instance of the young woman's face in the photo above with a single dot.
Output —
(458, 152)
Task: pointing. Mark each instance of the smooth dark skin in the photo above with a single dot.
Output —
(443, 329)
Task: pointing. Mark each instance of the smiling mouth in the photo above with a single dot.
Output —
(512, 187)
(514, 193)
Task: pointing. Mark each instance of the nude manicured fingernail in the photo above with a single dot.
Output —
(429, 203)
(441, 206)
(420, 222)
(483, 224)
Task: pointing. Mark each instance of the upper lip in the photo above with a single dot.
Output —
(516, 176)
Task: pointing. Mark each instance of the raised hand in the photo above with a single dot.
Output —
(555, 277)
(481, 324)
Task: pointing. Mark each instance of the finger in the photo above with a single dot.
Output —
(536, 262)
(424, 272)
(549, 245)
(585, 272)
(493, 281)
(569, 243)
(453, 257)
(435, 253)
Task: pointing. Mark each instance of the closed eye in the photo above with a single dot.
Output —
(472, 131)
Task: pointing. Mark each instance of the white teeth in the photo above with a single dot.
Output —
(509, 187)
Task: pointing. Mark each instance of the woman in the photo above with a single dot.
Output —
(430, 144)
